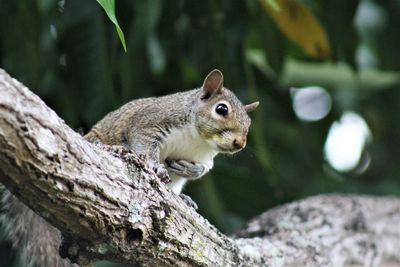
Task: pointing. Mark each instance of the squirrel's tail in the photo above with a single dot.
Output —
(31, 234)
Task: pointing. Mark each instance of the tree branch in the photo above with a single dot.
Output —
(115, 207)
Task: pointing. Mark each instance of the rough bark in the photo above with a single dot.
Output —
(115, 207)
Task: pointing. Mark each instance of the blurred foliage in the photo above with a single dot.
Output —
(299, 25)
(68, 53)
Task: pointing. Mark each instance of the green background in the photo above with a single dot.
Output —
(68, 53)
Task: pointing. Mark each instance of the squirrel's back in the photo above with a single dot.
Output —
(143, 114)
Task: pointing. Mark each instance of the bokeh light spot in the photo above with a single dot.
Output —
(346, 141)
(311, 103)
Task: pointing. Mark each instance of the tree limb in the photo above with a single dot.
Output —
(115, 207)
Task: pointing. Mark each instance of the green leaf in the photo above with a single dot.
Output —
(273, 4)
(336, 76)
(109, 8)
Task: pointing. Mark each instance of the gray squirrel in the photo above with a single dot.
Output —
(181, 132)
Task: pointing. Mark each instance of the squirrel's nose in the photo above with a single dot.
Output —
(239, 142)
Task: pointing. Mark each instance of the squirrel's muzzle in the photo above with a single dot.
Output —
(239, 142)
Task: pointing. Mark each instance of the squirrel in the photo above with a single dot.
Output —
(181, 132)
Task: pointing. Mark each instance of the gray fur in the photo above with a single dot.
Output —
(121, 125)
(33, 236)
(142, 124)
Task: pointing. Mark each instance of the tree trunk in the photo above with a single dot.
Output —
(113, 206)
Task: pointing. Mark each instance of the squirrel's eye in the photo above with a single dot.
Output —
(221, 109)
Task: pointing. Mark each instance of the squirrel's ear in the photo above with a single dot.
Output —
(251, 107)
(213, 83)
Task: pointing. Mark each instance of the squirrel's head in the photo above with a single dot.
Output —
(221, 119)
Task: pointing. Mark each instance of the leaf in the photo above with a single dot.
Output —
(336, 76)
(300, 26)
(273, 4)
(109, 8)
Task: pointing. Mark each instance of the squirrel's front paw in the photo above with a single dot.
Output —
(185, 168)
(161, 171)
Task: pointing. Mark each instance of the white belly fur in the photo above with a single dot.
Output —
(187, 144)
